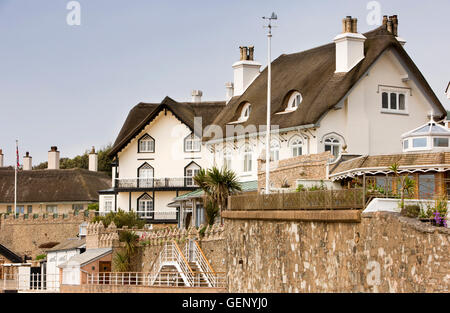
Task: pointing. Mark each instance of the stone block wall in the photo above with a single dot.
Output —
(313, 166)
(211, 242)
(385, 252)
(25, 234)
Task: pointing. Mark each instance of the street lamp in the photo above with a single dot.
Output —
(269, 36)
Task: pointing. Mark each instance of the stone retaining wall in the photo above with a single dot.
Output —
(383, 253)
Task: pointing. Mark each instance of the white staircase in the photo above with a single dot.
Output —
(175, 268)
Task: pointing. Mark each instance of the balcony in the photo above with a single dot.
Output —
(167, 183)
(152, 216)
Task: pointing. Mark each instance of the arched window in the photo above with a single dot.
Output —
(189, 172)
(245, 112)
(296, 147)
(274, 151)
(145, 176)
(192, 143)
(227, 159)
(247, 160)
(145, 206)
(146, 144)
(333, 145)
(294, 101)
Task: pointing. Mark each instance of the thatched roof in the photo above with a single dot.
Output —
(312, 73)
(52, 185)
(144, 113)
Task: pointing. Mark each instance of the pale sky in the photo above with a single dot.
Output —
(72, 86)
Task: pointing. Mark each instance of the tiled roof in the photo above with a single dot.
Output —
(86, 257)
(69, 244)
(385, 161)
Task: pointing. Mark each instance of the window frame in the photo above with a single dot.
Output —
(146, 213)
(336, 143)
(295, 145)
(293, 99)
(189, 179)
(274, 150)
(397, 92)
(148, 138)
(248, 160)
(193, 139)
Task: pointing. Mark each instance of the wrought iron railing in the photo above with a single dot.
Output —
(303, 200)
(167, 182)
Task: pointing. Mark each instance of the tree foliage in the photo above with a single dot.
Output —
(120, 219)
(217, 184)
(82, 161)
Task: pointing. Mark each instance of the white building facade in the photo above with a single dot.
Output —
(357, 95)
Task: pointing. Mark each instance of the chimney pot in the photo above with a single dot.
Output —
(385, 20)
(27, 162)
(229, 87)
(1, 158)
(251, 51)
(196, 95)
(93, 160)
(53, 158)
(389, 25)
(349, 46)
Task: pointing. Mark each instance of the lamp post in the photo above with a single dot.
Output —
(269, 36)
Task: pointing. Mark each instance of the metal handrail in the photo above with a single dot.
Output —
(205, 267)
(168, 279)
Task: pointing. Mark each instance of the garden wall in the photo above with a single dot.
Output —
(24, 234)
(385, 252)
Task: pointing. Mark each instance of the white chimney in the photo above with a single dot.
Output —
(197, 95)
(27, 162)
(229, 89)
(93, 160)
(245, 70)
(53, 158)
(349, 46)
(1, 158)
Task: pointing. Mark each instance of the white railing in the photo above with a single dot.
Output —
(167, 215)
(161, 279)
(171, 254)
(30, 282)
(203, 264)
(153, 182)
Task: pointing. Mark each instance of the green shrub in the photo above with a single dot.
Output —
(93, 207)
(41, 257)
(202, 231)
(300, 187)
(120, 219)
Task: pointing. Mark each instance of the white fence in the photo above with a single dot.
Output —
(35, 282)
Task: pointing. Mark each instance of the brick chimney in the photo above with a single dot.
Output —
(391, 25)
(245, 70)
(93, 160)
(197, 95)
(27, 162)
(53, 158)
(1, 158)
(349, 46)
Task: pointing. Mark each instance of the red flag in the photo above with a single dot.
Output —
(17, 153)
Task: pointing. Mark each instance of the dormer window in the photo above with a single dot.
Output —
(245, 112)
(146, 144)
(294, 101)
(192, 143)
(333, 145)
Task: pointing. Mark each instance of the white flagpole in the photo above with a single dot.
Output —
(15, 181)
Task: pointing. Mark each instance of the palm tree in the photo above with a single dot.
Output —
(406, 184)
(217, 184)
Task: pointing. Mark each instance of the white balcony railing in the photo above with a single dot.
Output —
(164, 215)
(156, 183)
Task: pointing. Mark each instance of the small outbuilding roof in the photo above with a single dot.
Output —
(69, 244)
(86, 257)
